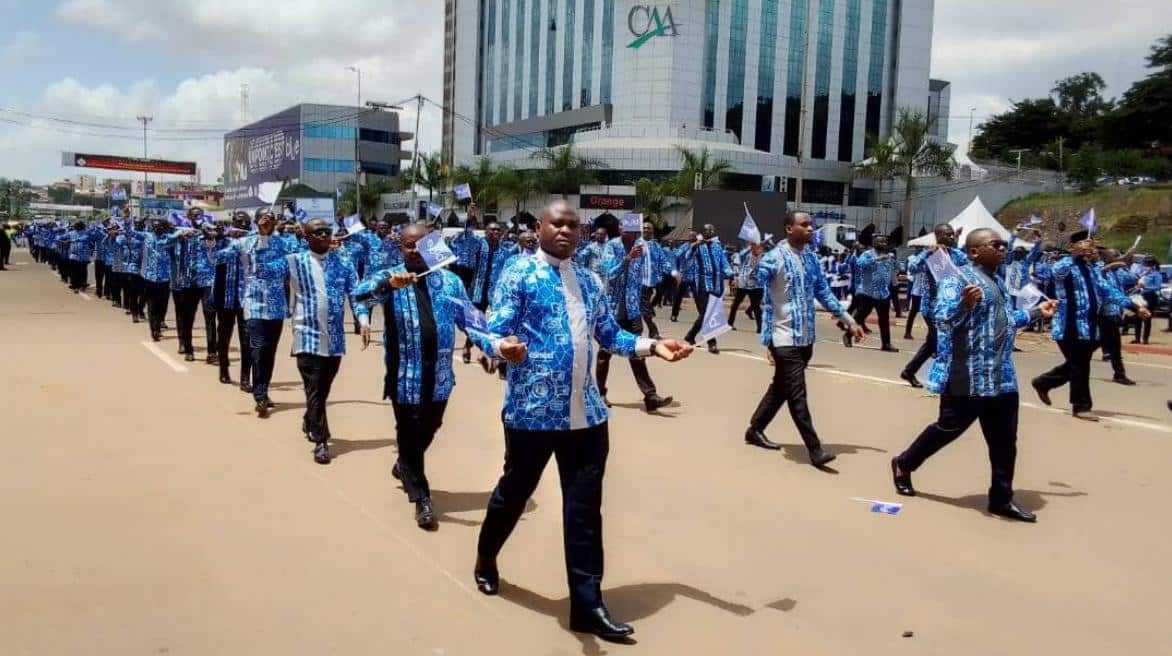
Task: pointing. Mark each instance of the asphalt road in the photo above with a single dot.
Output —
(147, 511)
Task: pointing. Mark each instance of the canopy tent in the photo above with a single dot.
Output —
(973, 217)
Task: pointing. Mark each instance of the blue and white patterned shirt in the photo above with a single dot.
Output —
(105, 250)
(263, 260)
(1017, 271)
(466, 247)
(590, 255)
(156, 255)
(1082, 291)
(82, 243)
(712, 267)
(419, 337)
(625, 280)
(875, 274)
(746, 273)
(792, 281)
(191, 263)
(974, 347)
(130, 246)
(558, 308)
(319, 287)
(490, 265)
(917, 265)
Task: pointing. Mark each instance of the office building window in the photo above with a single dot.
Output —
(488, 64)
(504, 98)
(763, 136)
(587, 52)
(322, 165)
(568, 58)
(711, 37)
(534, 53)
(551, 50)
(377, 136)
(821, 119)
(518, 60)
(795, 78)
(735, 93)
(850, 77)
(875, 67)
(377, 168)
(328, 132)
(607, 51)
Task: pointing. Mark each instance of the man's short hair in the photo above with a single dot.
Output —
(974, 233)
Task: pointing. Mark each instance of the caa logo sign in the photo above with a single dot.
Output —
(647, 21)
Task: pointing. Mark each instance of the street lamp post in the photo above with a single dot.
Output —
(144, 120)
(972, 114)
(357, 152)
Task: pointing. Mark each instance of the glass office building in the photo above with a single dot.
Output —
(761, 83)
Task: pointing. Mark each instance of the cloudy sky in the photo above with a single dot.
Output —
(100, 63)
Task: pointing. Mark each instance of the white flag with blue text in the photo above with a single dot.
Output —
(941, 266)
(749, 231)
(435, 251)
(1089, 221)
(714, 324)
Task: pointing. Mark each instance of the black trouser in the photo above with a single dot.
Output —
(134, 294)
(882, 309)
(581, 458)
(664, 290)
(157, 294)
(114, 284)
(681, 289)
(896, 301)
(100, 277)
(79, 275)
(647, 309)
(913, 310)
(226, 321)
(209, 320)
(186, 303)
(1076, 370)
(1143, 327)
(317, 375)
(702, 299)
(998, 417)
(415, 428)
(263, 337)
(788, 387)
(638, 365)
(754, 311)
(1109, 338)
(926, 350)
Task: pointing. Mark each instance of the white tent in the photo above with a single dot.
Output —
(974, 216)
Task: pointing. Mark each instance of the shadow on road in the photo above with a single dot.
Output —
(1031, 500)
(457, 502)
(627, 603)
(340, 447)
(798, 453)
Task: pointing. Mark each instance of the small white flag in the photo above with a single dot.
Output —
(1136, 244)
(749, 231)
(1029, 295)
(714, 324)
(942, 267)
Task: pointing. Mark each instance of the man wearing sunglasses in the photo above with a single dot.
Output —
(321, 281)
(1082, 291)
(974, 373)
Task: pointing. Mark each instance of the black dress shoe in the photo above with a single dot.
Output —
(488, 579)
(321, 453)
(246, 387)
(655, 402)
(597, 621)
(269, 402)
(1011, 511)
(911, 379)
(819, 457)
(1123, 380)
(225, 378)
(424, 514)
(757, 438)
(888, 348)
(466, 357)
(713, 349)
(396, 473)
(213, 359)
(262, 409)
(156, 336)
(1043, 393)
(189, 356)
(903, 482)
(846, 340)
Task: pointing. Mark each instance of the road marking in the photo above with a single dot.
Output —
(85, 296)
(1025, 404)
(158, 352)
(1148, 364)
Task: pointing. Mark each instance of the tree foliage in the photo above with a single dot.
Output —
(565, 170)
(711, 170)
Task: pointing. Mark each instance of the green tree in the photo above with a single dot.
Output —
(880, 165)
(15, 196)
(565, 171)
(654, 199)
(1085, 167)
(372, 193)
(916, 154)
(711, 170)
(516, 186)
(1144, 115)
(431, 174)
(481, 178)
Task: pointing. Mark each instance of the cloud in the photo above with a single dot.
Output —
(24, 46)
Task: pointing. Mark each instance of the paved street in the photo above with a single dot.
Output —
(147, 511)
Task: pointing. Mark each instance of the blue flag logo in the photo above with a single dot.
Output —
(714, 324)
(1089, 221)
(474, 320)
(462, 191)
(435, 251)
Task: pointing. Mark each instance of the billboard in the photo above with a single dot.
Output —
(148, 207)
(266, 151)
(116, 163)
(316, 208)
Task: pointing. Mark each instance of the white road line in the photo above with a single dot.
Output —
(85, 296)
(158, 353)
(1129, 362)
(1025, 404)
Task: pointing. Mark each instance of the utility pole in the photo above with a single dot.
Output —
(145, 120)
(1061, 180)
(357, 151)
(802, 114)
(1019, 151)
(415, 156)
(969, 146)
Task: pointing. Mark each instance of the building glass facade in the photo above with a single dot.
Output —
(607, 72)
(711, 39)
(534, 53)
(763, 136)
(568, 59)
(875, 67)
(821, 118)
(504, 82)
(735, 94)
(490, 57)
(795, 77)
(587, 80)
(850, 78)
(551, 50)
(518, 59)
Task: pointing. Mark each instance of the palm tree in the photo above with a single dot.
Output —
(710, 169)
(654, 198)
(916, 154)
(517, 186)
(566, 171)
(432, 174)
(480, 178)
(879, 166)
(371, 195)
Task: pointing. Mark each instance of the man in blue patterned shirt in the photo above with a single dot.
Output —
(227, 290)
(627, 267)
(745, 268)
(192, 273)
(686, 265)
(321, 281)
(974, 373)
(874, 290)
(1082, 291)
(918, 266)
(557, 309)
(792, 279)
(712, 270)
(492, 253)
(591, 253)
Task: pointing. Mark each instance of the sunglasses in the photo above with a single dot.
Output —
(321, 232)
